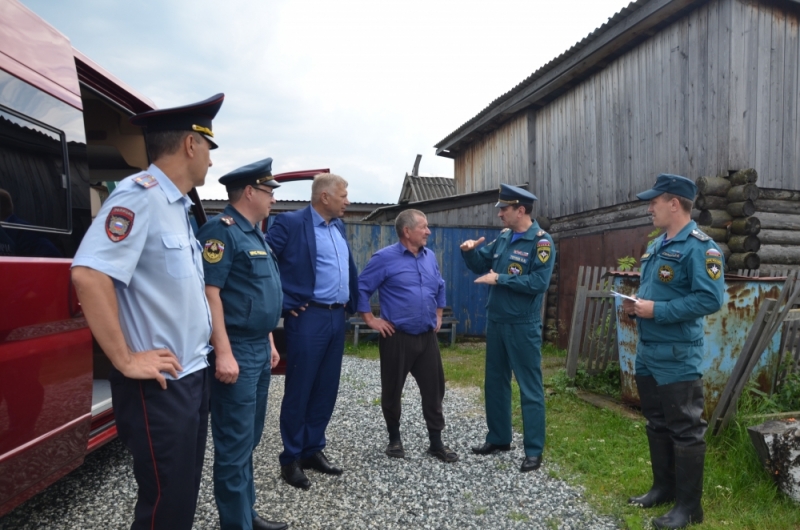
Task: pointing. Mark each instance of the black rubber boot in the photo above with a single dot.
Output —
(662, 461)
(688, 509)
(683, 407)
(661, 447)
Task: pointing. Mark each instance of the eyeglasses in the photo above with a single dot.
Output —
(268, 192)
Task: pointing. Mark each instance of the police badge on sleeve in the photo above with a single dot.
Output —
(119, 223)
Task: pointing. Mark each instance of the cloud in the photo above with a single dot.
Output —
(358, 86)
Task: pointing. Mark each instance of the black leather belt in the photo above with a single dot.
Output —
(325, 306)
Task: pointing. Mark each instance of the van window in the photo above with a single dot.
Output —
(34, 186)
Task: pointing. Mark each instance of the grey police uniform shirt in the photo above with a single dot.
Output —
(143, 240)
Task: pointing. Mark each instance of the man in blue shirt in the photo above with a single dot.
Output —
(320, 282)
(681, 281)
(243, 288)
(411, 289)
(139, 277)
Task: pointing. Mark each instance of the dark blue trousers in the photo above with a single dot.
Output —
(165, 431)
(314, 349)
(238, 412)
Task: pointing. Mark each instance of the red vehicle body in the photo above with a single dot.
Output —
(65, 139)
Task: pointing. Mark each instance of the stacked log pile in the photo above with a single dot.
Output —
(756, 228)
(779, 214)
(727, 213)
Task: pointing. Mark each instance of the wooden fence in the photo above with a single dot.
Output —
(593, 334)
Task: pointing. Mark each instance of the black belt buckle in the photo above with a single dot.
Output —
(329, 307)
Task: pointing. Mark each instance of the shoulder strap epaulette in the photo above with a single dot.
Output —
(702, 236)
(228, 220)
(541, 233)
(504, 230)
(146, 181)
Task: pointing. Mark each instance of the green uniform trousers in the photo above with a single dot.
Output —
(517, 348)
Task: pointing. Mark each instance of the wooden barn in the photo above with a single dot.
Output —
(697, 88)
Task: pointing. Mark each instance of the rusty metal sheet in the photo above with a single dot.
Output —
(725, 335)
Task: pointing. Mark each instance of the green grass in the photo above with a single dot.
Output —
(607, 453)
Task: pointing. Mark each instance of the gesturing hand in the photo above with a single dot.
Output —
(471, 244)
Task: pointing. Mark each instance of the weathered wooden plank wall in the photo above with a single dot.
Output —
(716, 90)
(499, 157)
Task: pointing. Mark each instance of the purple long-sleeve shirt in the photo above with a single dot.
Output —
(410, 287)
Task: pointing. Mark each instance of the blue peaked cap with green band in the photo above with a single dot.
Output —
(673, 184)
(514, 196)
(250, 175)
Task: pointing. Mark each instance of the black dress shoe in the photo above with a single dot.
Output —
(320, 463)
(490, 449)
(444, 453)
(531, 463)
(294, 476)
(261, 524)
(395, 450)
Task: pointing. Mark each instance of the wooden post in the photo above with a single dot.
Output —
(778, 221)
(725, 250)
(716, 186)
(741, 209)
(776, 206)
(746, 192)
(744, 176)
(749, 260)
(715, 218)
(780, 237)
(747, 226)
(710, 202)
(778, 255)
(779, 195)
(744, 243)
(720, 235)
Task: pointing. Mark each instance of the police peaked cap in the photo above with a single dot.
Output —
(673, 184)
(514, 196)
(195, 117)
(250, 175)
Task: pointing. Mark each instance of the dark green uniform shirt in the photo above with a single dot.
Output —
(685, 280)
(524, 268)
(238, 261)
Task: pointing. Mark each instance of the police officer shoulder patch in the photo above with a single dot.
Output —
(714, 268)
(146, 181)
(213, 250)
(665, 273)
(543, 250)
(119, 223)
(515, 269)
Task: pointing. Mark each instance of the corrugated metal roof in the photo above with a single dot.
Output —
(416, 189)
(624, 12)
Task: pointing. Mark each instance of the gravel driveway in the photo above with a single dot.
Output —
(374, 492)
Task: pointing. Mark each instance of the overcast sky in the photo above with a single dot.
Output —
(359, 86)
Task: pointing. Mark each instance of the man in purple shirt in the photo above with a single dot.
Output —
(411, 291)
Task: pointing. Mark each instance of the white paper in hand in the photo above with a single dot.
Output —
(624, 296)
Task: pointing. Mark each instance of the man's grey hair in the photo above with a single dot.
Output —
(407, 219)
(325, 182)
